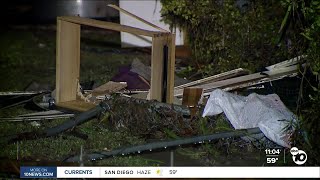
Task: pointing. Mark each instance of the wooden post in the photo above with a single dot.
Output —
(158, 43)
(171, 67)
(191, 97)
(68, 60)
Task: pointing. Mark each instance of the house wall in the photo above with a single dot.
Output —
(148, 10)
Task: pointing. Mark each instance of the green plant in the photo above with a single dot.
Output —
(224, 35)
(306, 15)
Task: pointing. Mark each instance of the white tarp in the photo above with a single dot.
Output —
(264, 111)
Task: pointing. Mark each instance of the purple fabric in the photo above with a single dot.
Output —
(133, 80)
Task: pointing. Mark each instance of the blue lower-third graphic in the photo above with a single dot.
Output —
(38, 172)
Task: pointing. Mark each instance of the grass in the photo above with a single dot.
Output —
(24, 60)
(59, 147)
(29, 55)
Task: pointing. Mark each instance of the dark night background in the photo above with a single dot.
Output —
(46, 11)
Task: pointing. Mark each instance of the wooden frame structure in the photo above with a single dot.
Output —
(68, 60)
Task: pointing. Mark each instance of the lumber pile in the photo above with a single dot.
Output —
(231, 80)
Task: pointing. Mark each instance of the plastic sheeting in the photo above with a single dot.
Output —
(264, 111)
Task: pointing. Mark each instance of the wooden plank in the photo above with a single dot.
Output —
(224, 83)
(156, 88)
(67, 60)
(276, 74)
(256, 82)
(171, 67)
(251, 78)
(282, 71)
(108, 88)
(286, 63)
(137, 17)
(77, 105)
(158, 43)
(191, 96)
(217, 77)
(109, 25)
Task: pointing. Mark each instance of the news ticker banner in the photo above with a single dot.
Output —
(169, 172)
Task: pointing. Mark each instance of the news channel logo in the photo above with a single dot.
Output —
(38, 172)
(298, 156)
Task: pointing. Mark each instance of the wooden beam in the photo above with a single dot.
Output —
(256, 82)
(137, 17)
(245, 81)
(158, 43)
(191, 96)
(214, 78)
(171, 67)
(77, 105)
(224, 83)
(67, 60)
(108, 88)
(287, 63)
(109, 26)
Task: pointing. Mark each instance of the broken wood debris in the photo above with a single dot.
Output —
(287, 63)
(151, 114)
(231, 80)
(191, 98)
(284, 69)
(218, 77)
(68, 59)
(109, 88)
(67, 125)
(148, 118)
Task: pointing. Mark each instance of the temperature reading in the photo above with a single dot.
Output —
(172, 171)
(272, 160)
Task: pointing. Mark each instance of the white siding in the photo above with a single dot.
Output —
(148, 10)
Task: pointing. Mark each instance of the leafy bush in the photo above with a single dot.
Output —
(225, 35)
(308, 134)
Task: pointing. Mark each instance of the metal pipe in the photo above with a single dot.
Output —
(165, 144)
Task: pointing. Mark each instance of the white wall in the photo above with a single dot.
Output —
(148, 10)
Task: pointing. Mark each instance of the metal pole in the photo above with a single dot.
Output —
(17, 150)
(171, 158)
(81, 156)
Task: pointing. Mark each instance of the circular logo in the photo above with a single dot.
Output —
(298, 156)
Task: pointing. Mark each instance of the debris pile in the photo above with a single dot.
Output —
(148, 118)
